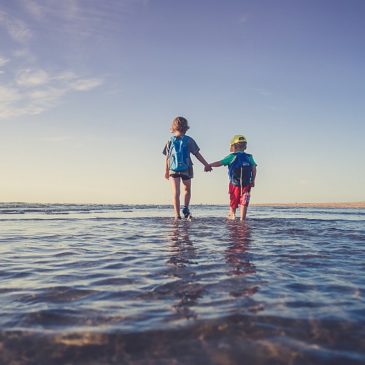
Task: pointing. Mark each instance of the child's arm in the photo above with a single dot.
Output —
(167, 172)
(216, 164)
(203, 161)
(253, 176)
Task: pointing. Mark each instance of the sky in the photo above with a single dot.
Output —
(89, 88)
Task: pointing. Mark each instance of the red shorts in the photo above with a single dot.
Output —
(239, 195)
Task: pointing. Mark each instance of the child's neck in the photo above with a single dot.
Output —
(179, 134)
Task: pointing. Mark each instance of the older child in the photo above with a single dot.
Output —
(242, 174)
(178, 164)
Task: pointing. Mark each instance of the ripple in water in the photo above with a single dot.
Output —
(125, 284)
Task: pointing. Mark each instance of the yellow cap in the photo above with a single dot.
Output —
(238, 138)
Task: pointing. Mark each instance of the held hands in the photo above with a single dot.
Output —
(208, 168)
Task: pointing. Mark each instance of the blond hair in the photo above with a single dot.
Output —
(240, 146)
(179, 124)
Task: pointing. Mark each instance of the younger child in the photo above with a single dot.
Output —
(178, 164)
(242, 174)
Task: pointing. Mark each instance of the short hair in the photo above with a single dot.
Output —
(179, 124)
(240, 146)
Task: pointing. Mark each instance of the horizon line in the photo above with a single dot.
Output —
(342, 204)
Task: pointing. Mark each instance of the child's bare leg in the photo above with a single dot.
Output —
(187, 192)
(175, 184)
(232, 213)
(233, 201)
(244, 205)
(243, 212)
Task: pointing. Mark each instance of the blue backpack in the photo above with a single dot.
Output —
(178, 153)
(240, 170)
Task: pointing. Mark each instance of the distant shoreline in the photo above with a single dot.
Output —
(314, 205)
(360, 204)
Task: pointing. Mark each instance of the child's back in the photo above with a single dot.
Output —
(178, 164)
(242, 174)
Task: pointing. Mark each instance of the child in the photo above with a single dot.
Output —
(242, 174)
(178, 164)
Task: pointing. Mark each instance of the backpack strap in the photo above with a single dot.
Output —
(168, 146)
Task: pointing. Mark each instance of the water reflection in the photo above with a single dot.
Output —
(237, 252)
(238, 258)
(181, 264)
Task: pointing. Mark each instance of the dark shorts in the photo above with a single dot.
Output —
(177, 175)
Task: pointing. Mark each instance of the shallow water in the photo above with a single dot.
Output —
(115, 284)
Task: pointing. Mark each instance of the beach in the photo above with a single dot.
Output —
(126, 284)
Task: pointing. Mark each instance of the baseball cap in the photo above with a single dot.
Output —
(238, 138)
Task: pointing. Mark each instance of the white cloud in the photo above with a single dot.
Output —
(8, 95)
(13, 103)
(25, 54)
(15, 27)
(66, 76)
(66, 16)
(3, 61)
(34, 8)
(36, 91)
(27, 88)
(46, 96)
(85, 84)
(30, 77)
(80, 19)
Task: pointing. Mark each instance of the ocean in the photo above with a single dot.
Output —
(126, 284)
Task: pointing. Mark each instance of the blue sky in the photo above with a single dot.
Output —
(88, 90)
